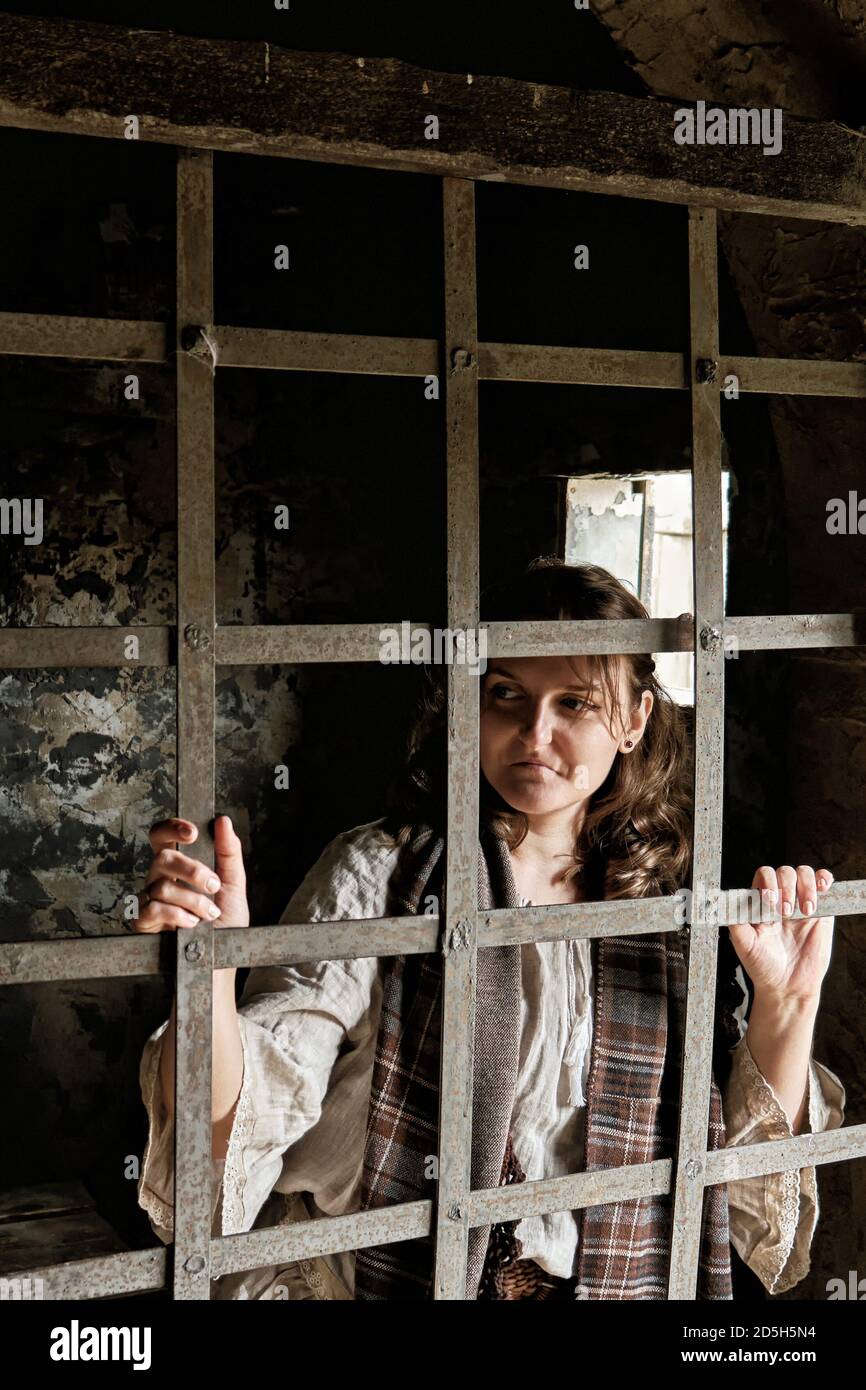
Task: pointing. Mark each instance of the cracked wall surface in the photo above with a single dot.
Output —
(771, 53)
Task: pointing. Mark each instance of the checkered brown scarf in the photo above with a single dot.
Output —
(632, 1103)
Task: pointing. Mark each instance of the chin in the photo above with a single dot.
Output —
(532, 802)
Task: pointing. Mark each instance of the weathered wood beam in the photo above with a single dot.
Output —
(243, 95)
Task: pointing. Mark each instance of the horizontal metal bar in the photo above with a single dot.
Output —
(86, 958)
(302, 1240)
(785, 631)
(239, 947)
(781, 1155)
(105, 1276)
(275, 350)
(569, 1193)
(59, 335)
(795, 376)
(551, 637)
(772, 633)
(110, 957)
(85, 646)
(307, 642)
(331, 1235)
(237, 646)
(664, 371)
(139, 1271)
(68, 336)
(511, 926)
(350, 642)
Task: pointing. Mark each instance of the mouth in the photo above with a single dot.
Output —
(533, 763)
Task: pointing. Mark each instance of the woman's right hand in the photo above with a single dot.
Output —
(218, 894)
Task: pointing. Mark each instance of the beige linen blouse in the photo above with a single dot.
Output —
(308, 1034)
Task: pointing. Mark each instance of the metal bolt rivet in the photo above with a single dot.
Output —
(458, 937)
(195, 1264)
(455, 1212)
(461, 359)
(195, 638)
(693, 1168)
(710, 638)
(192, 337)
(706, 370)
(193, 950)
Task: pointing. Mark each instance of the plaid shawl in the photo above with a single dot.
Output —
(632, 1102)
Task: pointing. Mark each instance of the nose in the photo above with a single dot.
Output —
(535, 726)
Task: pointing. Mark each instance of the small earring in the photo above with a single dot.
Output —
(629, 742)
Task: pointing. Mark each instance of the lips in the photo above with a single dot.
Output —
(528, 763)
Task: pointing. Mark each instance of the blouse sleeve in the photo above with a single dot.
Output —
(291, 1033)
(294, 1022)
(773, 1216)
(155, 1184)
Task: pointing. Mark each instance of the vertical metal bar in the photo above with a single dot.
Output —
(709, 749)
(460, 928)
(647, 543)
(195, 710)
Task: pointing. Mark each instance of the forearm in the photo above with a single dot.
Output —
(779, 1038)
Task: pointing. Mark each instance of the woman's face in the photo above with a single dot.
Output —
(545, 741)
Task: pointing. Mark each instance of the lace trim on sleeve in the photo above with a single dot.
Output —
(765, 1104)
(161, 1214)
(233, 1173)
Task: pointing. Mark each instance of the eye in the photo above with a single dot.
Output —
(500, 691)
(578, 700)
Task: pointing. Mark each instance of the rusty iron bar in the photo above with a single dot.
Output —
(460, 927)
(275, 350)
(571, 366)
(795, 376)
(32, 647)
(144, 1270)
(72, 336)
(709, 752)
(94, 339)
(302, 1240)
(84, 646)
(103, 1276)
(128, 955)
(195, 714)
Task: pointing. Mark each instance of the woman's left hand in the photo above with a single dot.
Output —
(788, 958)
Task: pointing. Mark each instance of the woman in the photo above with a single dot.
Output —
(326, 1079)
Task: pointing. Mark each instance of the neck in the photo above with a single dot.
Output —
(550, 838)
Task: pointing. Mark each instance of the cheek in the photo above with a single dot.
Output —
(593, 746)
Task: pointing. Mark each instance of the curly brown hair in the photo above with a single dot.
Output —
(635, 840)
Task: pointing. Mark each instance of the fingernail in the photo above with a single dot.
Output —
(808, 907)
(774, 894)
(212, 885)
(213, 910)
(787, 908)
